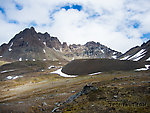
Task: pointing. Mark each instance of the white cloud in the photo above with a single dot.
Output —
(111, 28)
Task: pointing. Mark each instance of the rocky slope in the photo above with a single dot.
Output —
(30, 45)
(138, 53)
(90, 50)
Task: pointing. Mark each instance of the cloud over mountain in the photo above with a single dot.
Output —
(117, 24)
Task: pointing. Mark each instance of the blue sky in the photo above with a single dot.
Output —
(119, 25)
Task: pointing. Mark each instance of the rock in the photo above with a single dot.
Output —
(86, 89)
(30, 45)
(44, 104)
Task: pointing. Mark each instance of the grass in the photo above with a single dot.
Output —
(112, 97)
(3, 62)
(52, 89)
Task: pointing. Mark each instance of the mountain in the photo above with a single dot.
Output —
(138, 53)
(30, 45)
(90, 50)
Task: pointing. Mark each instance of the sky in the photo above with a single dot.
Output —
(118, 24)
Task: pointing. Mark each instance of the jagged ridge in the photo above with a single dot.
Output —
(30, 45)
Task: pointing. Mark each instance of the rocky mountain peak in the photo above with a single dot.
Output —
(92, 43)
(28, 44)
(64, 45)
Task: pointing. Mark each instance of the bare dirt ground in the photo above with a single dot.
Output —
(42, 91)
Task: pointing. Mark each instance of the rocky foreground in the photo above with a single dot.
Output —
(41, 91)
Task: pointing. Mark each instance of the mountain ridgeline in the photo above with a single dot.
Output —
(138, 53)
(30, 45)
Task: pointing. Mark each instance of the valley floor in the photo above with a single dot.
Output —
(45, 92)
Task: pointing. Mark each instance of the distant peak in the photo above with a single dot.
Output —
(32, 28)
(46, 34)
(91, 43)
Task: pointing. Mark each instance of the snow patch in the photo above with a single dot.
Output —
(20, 59)
(44, 59)
(15, 77)
(7, 71)
(26, 59)
(95, 73)
(10, 46)
(60, 49)
(1, 56)
(51, 67)
(143, 69)
(55, 49)
(102, 51)
(73, 58)
(138, 58)
(125, 58)
(114, 53)
(44, 43)
(44, 51)
(62, 74)
(148, 59)
(33, 59)
(114, 57)
(138, 55)
(9, 49)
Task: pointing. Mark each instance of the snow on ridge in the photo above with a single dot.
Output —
(114, 53)
(1, 56)
(10, 46)
(62, 74)
(102, 51)
(139, 54)
(148, 59)
(138, 58)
